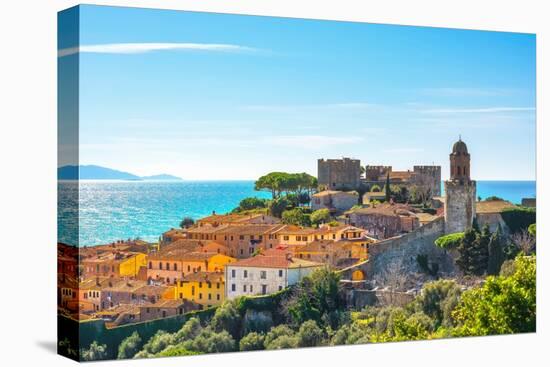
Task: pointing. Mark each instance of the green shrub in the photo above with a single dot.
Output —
(129, 346)
(519, 218)
(320, 216)
(252, 341)
(450, 241)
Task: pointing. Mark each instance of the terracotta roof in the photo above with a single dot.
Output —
(251, 229)
(274, 261)
(385, 209)
(332, 192)
(492, 206)
(165, 303)
(182, 255)
(233, 218)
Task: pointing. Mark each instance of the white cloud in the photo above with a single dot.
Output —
(140, 48)
(478, 110)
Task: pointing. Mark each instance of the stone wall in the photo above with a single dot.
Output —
(339, 174)
(403, 250)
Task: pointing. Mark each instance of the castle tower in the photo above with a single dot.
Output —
(460, 191)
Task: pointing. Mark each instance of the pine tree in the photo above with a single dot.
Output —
(496, 253)
(474, 251)
(465, 249)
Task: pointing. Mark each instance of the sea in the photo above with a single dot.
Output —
(121, 210)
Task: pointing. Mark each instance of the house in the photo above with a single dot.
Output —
(370, 197)
(295, 236)
(268, 272)
(334, 200)
(165, 308)
(215, 220)
(384, 220)
(336, 253)
(489, 212)
(172, 264)
(115, 263)
(204, 288)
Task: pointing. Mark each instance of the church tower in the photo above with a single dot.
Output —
(460, 191)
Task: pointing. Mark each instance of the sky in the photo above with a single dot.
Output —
(216, 96)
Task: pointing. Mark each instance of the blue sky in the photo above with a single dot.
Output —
(213, 96)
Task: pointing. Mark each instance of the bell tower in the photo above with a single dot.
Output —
(460, 191)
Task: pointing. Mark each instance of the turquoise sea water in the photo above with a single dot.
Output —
(113, 210)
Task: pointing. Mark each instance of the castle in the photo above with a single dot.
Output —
(345, 174)
(460, 190)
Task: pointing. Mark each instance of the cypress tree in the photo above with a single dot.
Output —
(496, 253)
(387, 188)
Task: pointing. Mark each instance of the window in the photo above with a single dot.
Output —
(280, 273)
(244, 288)
(167, 266)
(252, 237)
(264, 288)
(200, 284)
(285, 238)
(209, 296)
(233, 288)
(188, 267)
(209, 285)
(280, 287)
(241, 237)
(150, 265)
(218, 297)
(193, 290)
(200, 295)
(242, 252)
(251, 288)
(263, 274)
(175, 267)
(218, 285)
(232, 273)
(181, 295)
(160, 266)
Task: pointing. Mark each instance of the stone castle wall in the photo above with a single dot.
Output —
(339, 174)
(460, 199)
(403, 250)
(430, 175)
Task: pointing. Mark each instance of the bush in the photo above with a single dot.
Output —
(252, 341)
(277, 332)
(95, 352)
(438, 300)
(252, 203)
(532, 230)
(129, 346)
(156, 344)
(310, 335)
(320, 216)
(519, 218)
(503, 305)
(494, 198)
(228, 318)
(450, 241)
(190, 330)
(297, 217)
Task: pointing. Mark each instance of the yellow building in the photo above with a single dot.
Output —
(130, 266)
(218, 261)
(205, 289)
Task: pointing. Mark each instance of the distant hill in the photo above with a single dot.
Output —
(92, 172)
(161, 177)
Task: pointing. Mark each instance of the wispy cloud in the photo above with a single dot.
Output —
(477, 110)
(140, 48)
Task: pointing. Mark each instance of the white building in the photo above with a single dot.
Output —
(265, 273)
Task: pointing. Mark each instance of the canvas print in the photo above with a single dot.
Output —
(235, 183)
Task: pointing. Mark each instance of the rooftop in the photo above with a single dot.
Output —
(492, 206)
(281, 260)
